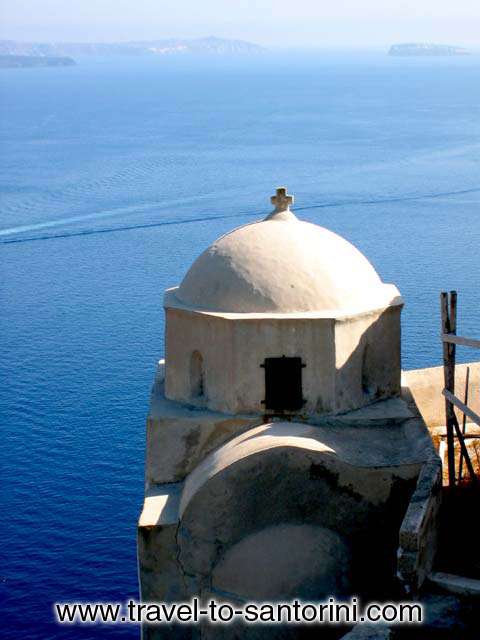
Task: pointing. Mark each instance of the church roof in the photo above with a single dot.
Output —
(282, 265)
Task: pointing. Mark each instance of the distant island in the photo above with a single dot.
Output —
(13, 61)
(166, 47)
(426, 49)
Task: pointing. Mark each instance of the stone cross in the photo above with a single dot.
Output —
(281, 200)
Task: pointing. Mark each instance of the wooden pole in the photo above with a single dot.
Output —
(448, 307)
(453, 350)
(464, 421)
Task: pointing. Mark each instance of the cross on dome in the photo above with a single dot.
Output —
(281, 200)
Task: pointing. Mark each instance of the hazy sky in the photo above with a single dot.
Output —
(276, 23)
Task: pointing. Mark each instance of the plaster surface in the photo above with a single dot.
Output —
(282, 509)
(282, 287)
(423, 388)
(242, 505)
(180, 435)
(350, 361)
(343, 477)
(418, 539)
(282, 264)
(285, 561)
(340, 489)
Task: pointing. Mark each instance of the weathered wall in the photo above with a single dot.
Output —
(367, 358)
(419, 531)
(233, 352)
(287, 495)
(424, 387)
(350, 361)
(179, 437)
(278, 510)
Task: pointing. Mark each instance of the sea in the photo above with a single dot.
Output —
(115, 175)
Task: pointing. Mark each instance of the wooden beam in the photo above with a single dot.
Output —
(449, 338)
(464, 422)
(464, 450)
(474, 417)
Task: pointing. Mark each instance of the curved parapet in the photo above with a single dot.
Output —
(285, 481)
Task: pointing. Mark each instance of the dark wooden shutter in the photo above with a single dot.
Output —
(283, 384)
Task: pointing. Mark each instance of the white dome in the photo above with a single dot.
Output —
(282, 265)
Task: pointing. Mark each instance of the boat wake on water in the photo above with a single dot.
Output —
(16, 232)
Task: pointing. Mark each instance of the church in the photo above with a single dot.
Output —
(282, 458)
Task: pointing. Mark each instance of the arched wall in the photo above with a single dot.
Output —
(278, 476)
(197, 376)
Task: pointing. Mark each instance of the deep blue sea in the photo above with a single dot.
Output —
(115, 175)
